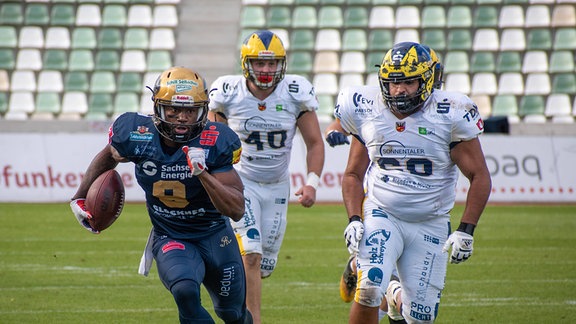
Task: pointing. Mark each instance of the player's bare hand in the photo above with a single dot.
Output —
(307, 196)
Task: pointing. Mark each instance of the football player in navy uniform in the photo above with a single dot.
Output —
(409, 143)
(266, 108)
(184, 164)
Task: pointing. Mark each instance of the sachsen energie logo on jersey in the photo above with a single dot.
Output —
(141, 134)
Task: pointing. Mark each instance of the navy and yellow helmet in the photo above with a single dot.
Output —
(263, 45)
(182, 88)
(407, 61)
(438, 68)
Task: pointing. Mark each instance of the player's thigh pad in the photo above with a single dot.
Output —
(177, 260)
(262, 228)
(225, 277)
(379, 249)
(422, 269)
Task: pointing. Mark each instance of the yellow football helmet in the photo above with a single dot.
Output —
(263, 45)
(407, 61)
(180, 87)
(438, 68)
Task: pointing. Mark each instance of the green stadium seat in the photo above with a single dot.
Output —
(332, 2)
(304, 17)
(3, 103)
(356, 17)
(456, 62)
(100, 106)
(76, 81)
(330, 17)
(7, 59)
(11, 13)
(532, 108)
(433, 17)
(485, 16)
(62, 15)
(102, 81)
(252, 16)
(136, 38)
(459, 39)
(539, 39)
(159, 60)
(380, 40)
(130, 82)
(508, 62)
(126, 102)
(81, 60)
(531, 105)
(373, 59)
(301, 39)
(505, 105)
(300, 62)
(306, 2)
(279, 17)
(47, 105)
(114, 15)
(107, 60)
(564, 83)
(110, 38)
(565, 39)
(435, 38)
(83, 37)
(354, 40)
(55, 59)
(326, 107)
(36, 14)
(8, 37)
(459, 17)
(561, 61)
(483, 62)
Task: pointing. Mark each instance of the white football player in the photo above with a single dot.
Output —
(265, 108)
(409, 141)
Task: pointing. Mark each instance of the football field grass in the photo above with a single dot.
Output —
(53, 271)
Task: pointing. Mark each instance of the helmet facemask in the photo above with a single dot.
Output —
(263, 45)
(405, 62)
(175, 131)
(265, 80)
(177, 91)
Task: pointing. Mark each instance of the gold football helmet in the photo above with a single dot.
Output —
(263, 45)
(180, 87)
(407, 61)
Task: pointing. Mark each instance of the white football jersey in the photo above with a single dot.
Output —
(411, 174)
(266, 127)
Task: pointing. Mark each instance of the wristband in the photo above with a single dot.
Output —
(313, 180)
(354, 218)
(467, 228)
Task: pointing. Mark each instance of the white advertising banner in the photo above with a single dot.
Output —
(48, 168)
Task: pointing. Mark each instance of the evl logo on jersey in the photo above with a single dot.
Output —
(358, 99)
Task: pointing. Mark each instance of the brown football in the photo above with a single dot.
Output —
(105, 200)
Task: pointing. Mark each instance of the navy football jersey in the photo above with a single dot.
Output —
(177, 202)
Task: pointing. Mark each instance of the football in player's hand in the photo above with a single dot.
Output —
(105, 200)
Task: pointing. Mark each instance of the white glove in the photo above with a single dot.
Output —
(196, 159)
(353, 234)
(461, 246)
(82, 215)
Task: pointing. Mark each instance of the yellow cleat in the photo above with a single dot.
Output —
(348, 282)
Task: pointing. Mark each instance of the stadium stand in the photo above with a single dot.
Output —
(493, 50)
